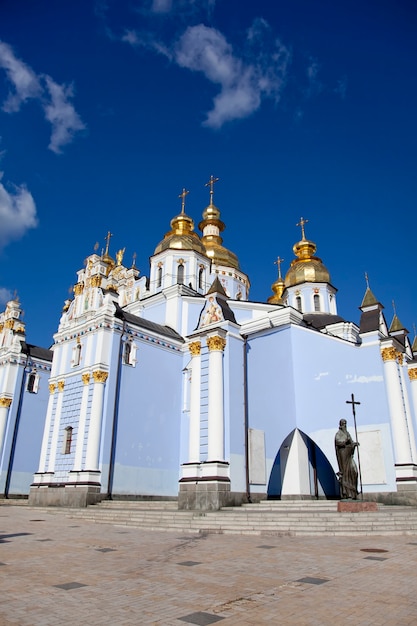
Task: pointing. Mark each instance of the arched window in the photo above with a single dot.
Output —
(180, 274)
(129, 353)
(316, 300)
(76, 355)
(159, 277)
(298, 303)
(200, 277)
(67, 440)
(33, 382)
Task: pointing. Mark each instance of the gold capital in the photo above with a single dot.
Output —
(400, 358)
(389, 354)
(216, 343)
(195, 348)
(9, 324)
(96, 280)
(85, 378)
(100, 376)
(78, 289)
(52, 388)
(61, 385)
(5, 402)
(412, 373)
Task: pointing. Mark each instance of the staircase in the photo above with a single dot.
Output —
(279, 518)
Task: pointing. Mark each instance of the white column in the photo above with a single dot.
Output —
(408, 413)
(78, 457)
(94, 433)
(402, 447)
(216, 346)
(412, 374)
(57, 422)
(195, 393)
(4, 411)
(47, 428)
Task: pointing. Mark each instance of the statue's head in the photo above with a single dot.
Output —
(342, 423)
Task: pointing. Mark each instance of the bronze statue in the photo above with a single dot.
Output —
(348, 472)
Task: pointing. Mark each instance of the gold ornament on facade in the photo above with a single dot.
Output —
(400, 358)
(52, 388)
(100, 376)
(85, 378)
(412, 373)
(195, 348)
(61, 385)
(216, 343)
(389, 354)
(5, 402)
(9, 324)
(96, 281)
(78, 289)
(1, 327)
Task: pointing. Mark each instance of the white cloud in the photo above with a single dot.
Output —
(54, 98)
(17, 213)
(5, 295)
(23, 79)
(243, 83)
(363, 379)
(61, 114)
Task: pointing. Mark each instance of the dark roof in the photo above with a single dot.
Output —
(141, 322)
(370, 320)
(320, 320)
(36, 352)
(217, 287)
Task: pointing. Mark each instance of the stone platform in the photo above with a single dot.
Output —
(356, 506)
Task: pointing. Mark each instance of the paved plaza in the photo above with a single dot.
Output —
(58, 570)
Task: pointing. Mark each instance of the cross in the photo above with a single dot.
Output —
(210, 184)
(107, 238)
(278, 262)
(182, 195)
(353, 402)
(367, 279)
(301, 223)
(393, 306)
(134, 259)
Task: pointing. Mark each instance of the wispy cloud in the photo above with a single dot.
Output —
(17, 213)
(55, 99)
(5, 295)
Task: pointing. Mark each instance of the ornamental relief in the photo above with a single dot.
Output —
(52, 388)
(61, 385)
(85, 378)
(412, 373)
(389, 354)
(216, 343)
(195, 348)
(5, 402)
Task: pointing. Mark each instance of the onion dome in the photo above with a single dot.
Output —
(182, 235)
(306, 268)
(106, 256)
(278, 286)
(211, 226)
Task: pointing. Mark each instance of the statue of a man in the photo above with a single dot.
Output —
(348, 472)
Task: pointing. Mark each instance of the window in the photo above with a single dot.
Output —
(159, 277)
(200, 277)
(76, 355)
(66, 449)
(298, 303)
(129, 353)
(180, 274)
(316, 300)
(33, 383)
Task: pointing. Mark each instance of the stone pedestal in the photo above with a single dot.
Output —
(203, 495)
(83, 490)
(356, 506)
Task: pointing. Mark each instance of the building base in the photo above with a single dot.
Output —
(204, 495)
(356, 506)
(84, 490)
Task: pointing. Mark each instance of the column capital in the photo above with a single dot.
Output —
(5, 402)
(52, 387)
(195, 348)
(412, 373)
(85, 378)
(389, 354)
(100, 376)
(216, 343)
(61, 385)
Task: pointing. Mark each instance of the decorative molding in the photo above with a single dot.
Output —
(216, 343)
(85, 378)
(5, 402)
(78, 289)
(389, 354)
(100, 376)
(412, 373)
(61, 385)
(52, 387)
(400, 358)
(195, 348)
(9, 324)
(96, 280)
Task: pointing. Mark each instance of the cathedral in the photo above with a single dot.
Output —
(177, 386)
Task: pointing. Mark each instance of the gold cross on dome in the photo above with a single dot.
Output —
(278, 262)
(183, 195)
(301, 223)
(107, 238)
(211, 184)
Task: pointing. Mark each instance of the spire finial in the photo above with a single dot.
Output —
(134, 259)
(107, 238)
(211, 184)
(393, 306)
(183, 195)
(367, 279)
(415, 331)
(278, 262)
(302, 223)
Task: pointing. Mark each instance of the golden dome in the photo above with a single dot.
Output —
(211, 226)
(306, 268)
(182, 235)
(278, 286)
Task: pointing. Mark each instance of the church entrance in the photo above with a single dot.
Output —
(301, 469)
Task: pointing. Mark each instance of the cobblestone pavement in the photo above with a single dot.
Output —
(57, 570)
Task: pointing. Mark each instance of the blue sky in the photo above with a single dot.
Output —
(302, 108)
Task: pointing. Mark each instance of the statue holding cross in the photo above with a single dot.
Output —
(345, 448)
